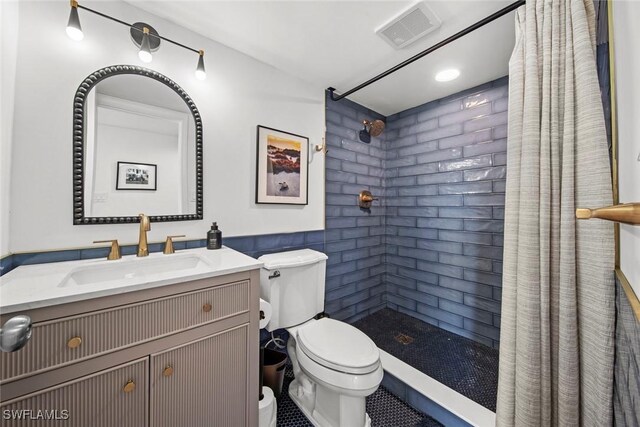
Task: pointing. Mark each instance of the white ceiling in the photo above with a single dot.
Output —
(333, 43)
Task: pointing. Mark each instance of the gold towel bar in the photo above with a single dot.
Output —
(628, 213)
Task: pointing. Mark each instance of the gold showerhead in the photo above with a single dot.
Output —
(376, 127)
(370, 128)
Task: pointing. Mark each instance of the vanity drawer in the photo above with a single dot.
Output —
(66, 340)
(116, 397)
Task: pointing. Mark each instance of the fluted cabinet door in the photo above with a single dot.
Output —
(116, 397)
(202, 383)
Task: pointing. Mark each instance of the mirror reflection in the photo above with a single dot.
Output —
(140, 149)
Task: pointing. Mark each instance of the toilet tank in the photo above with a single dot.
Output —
(293, 283)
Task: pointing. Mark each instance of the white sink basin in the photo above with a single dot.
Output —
(138, 269)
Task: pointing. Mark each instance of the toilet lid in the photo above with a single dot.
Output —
(339, 346)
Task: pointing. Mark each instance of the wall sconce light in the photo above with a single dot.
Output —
(145, 47)
(74, 29)
(200, 73)
(144, 36)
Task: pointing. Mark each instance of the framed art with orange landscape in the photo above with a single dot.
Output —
(282, 170)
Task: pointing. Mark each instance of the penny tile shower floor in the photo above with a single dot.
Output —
(468, 367)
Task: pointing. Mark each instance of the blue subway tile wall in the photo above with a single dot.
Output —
(432, 246)
(444, 186)
(254, 246)
(626, 383)
(355, 238)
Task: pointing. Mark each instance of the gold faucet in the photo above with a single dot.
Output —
(115, 249)
(145, 225)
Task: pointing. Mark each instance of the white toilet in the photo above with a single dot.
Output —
(335, 365)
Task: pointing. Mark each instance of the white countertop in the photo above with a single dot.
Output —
(34, 286)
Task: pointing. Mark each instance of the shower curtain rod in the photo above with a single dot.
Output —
(456, 36)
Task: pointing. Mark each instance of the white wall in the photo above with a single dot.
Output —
(8, 57)
(239, 94)
(627, 67)
(126, 143)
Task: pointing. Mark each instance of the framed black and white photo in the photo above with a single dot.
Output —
(282, 167)
(136, 176)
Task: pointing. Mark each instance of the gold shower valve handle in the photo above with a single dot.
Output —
(365, 198)
(628, 213)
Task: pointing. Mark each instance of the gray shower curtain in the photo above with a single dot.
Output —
(556, 341)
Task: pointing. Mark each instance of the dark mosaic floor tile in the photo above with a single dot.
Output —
(385, 410)
(288, 413)
(468, 367)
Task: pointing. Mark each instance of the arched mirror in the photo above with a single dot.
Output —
(137, 147)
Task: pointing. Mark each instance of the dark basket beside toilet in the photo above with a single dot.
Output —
(273, 370)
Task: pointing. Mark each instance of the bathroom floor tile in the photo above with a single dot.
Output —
(384, 408)
(468, 367)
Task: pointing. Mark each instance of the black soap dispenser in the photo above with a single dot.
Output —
(214, 237)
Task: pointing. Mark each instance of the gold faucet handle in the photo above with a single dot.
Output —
(114, 253)
(168, 245)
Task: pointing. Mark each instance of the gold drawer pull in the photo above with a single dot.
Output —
(74, 342)
(168, 371)
(207, 308)
(129, 386)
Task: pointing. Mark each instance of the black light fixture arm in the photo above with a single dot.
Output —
(456, 36)
(126, 24)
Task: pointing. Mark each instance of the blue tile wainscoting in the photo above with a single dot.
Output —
(254, 246)
(626, 385)
(432, 246)
(6, 264)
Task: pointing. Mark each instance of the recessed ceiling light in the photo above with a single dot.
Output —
(447, 75)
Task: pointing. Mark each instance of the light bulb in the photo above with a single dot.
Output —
(447, 75)
(201, 74)
(145, 56)
(74, 29)
(75, 34)
(145, 47)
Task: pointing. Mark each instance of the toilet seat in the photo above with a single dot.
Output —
(340, 382)
(339, 346)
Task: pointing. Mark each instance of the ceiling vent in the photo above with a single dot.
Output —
(412, 24)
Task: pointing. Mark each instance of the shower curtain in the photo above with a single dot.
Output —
(556, 341)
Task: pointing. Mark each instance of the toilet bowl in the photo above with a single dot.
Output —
(335, 365)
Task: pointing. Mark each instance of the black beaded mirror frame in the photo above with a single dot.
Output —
(79, 101)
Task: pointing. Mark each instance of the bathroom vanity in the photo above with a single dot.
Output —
(164, 340)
